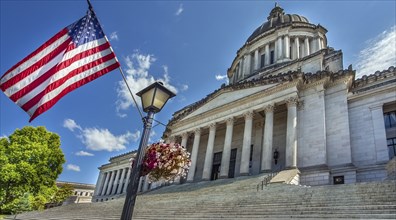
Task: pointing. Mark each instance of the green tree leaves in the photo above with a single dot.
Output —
(30, 162)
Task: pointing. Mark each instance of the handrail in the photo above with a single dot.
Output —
(266, 180)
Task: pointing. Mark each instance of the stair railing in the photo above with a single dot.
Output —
(266, 180)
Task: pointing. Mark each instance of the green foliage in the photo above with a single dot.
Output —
(62, 193)
(30, 162)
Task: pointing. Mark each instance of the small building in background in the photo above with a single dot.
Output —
(82, 192)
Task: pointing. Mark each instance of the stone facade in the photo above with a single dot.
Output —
(82, 192)
(114, 177)
(289, 94)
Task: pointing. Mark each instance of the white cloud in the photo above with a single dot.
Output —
(114, 36)
(71, 124)
(184, 87)
(179, 10)
(379, 54)
(102, 139)
(73, 167)
(222, 77)
(138, 78)
(84, 153)
(98, 139)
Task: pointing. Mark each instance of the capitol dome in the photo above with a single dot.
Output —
(283, 42)
(277, 18)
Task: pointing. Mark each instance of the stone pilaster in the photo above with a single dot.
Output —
(247, 140)
(209, 153)
(291, 133)
(266, 157)
(381, 149)
(280, 49)
(318, 43)
(194, 155)
(225, 157)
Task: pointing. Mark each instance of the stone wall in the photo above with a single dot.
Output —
(315, 178)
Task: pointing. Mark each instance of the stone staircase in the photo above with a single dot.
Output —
(239, 199)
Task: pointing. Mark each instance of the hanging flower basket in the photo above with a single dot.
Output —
(165, 162)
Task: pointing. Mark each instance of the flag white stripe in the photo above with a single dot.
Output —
(36, 74)
(62, 73)
(28, 63)
(49, 96)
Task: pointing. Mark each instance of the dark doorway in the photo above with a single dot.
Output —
(216, 166)
(231, 170)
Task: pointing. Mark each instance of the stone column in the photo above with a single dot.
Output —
(266, 157)
(127, 180)
(102, 192)
(247, 65)
(280, 49)
(256, 60)
(381, 147)
(184, 140)
(209, 153)
(276, 50)
(267, 55)
(194, 155)
(110, 183)
(123, 172)
(146, 183)
(297, 45)
(99, 184)
(247, 140)
(291, 133)
(171, 139)
(225, 157)
(318, 43)
(239, 69)
(113, 191)
(287, 47)
(307, 50)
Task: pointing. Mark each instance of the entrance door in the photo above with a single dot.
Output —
(231, 170)
(216, 166)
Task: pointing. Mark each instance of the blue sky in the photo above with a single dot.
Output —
(187, 44)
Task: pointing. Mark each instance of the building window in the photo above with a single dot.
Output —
(262, 60)
(390, 119)
(391, 147)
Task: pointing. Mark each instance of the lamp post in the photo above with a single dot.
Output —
(153, 99)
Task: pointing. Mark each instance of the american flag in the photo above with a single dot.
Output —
(73, 57)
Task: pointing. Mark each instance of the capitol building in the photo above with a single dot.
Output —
(290, 108)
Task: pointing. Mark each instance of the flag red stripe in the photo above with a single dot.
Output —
(59, 82)
(56, 69)
(38, 50)
(44, 107)
(43, 61)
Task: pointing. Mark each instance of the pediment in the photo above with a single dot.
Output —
(226, 97)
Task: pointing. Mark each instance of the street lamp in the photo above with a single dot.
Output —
(153, 99)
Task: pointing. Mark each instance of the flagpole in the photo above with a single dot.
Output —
(121, 71)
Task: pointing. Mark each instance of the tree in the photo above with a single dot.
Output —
(63, 192)
(30, 162)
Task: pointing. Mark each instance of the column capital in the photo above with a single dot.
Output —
(291, 102)
(184, 135)
(212, 125)
(197, 131)
(269, 108)
(230, 121)
(248, 115)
